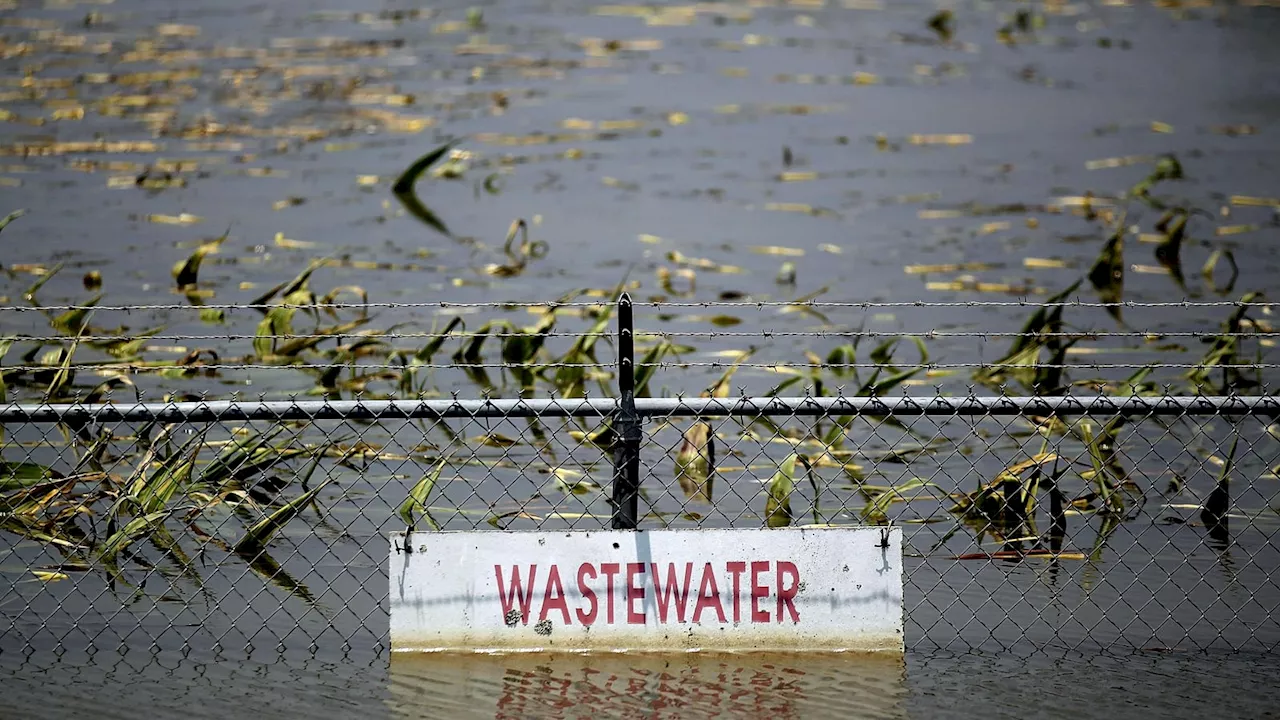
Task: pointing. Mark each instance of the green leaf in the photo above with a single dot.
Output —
(647, 366)
(19, 475)
(1169, 251)
(411, 174)
(291, 348)
(428, 351)
(1212, 263)
(261, 532)
(1110, 499)
(245, 456)
(570, 380)
(261, 562)
(133, 530)
(882, 356)
(66, 371)
(720, 388)
(126, 346)
(72, 322)
(5, 344)
(943, 23)
(288, 289)
(840, 358)
(469, 352)
(4, 222)
(877, 507)
(1107, 274)
(1024, 352)
(154, 492)
(277, 323)
(1043, 320)
(777, 508)
(571, 482)
(30, 294)
(186, 272)
(418, 496)
(1214, 512)
(404, 191)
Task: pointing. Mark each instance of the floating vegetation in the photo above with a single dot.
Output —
(1214, 511)
(695, 463)
(518, 256)
(405, 192)
(185, 274)
(4, 222)
(1167, 168)
(1036, 356)
(1227, 351)
(1107, 274)
(124, 490)
(132, 499)
(943, 23)
(777, 509)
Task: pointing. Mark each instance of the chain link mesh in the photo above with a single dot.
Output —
(1121, 509)
(1148, 526)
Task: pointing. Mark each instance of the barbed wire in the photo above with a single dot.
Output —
(207, 410)
(961, 303)
(197, 366)
(711, 334)
(759, 304)
(978, 364)
(309, 306)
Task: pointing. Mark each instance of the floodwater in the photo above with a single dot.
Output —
(706, 143)
(938, 684)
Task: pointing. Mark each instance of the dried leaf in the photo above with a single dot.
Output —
(694, 462)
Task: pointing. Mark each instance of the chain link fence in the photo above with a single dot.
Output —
(1038, 511)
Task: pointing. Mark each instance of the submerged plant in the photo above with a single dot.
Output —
(1225, 353)
(695, 462)
(403, 189)
(1107, 274)
(1038, 352)
(122, 491)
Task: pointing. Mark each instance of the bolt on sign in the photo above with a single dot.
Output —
(759, 589)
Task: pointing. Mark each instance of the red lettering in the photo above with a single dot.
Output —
(508, 597)
(634, 593)
(672, 588)
(708, 595)
(758, 591)
(609, 570)
(736, 569)
(587, 618)
(558, 602)
(788, 594)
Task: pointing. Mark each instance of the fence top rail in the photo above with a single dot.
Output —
(995, 405)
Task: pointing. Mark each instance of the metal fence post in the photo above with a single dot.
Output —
(627, 432)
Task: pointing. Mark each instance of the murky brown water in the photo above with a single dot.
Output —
(682, 685)
(847, 134)
(938, 684)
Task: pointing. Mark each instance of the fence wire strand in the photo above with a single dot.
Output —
(603, 304)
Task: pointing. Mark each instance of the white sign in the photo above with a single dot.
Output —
(757, 589)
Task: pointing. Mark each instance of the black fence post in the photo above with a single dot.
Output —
(627, 431)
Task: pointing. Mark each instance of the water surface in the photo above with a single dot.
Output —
(849, 137)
